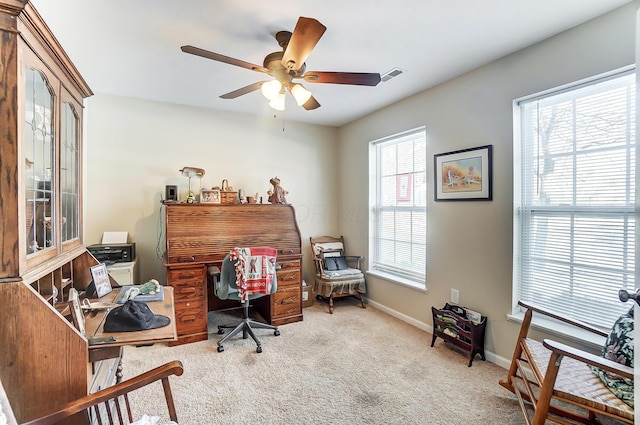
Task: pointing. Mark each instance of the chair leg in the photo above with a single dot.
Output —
(246, 326)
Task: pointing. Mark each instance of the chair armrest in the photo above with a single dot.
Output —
(318, 263)
(354, 258)
(563, 319)
(159, 373)
(588, 358)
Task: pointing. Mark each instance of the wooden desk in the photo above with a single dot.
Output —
(201, 235)
(94, 325)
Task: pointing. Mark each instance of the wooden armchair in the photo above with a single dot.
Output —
(337, 274)
(555, 382)
(117, 399)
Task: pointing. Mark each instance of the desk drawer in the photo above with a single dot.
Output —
(290, 264)
(287, 301)
(190, 289)
(191, 317)
(287, 277)
(185, 275)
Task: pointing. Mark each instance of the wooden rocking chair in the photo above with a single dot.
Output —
(555, 382)
(111, 405)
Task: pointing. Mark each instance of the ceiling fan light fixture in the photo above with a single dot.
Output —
(271, 89)
(277, 103)
(301, 94)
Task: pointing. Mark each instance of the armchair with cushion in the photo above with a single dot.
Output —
(337, 274)
(565, 385)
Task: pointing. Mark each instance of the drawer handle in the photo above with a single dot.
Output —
(288, 277)
(187, 274)
(286, 251)
(186, 259)
(187, 290)
(188, 318)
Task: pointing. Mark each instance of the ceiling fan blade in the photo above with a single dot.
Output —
(305, 36)
(310, 104)
(221, 58)
(353, 78)
(243, 90)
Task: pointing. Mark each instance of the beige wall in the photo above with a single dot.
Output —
(469, 243)
(134, 148)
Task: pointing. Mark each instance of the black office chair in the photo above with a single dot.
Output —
(225, 288)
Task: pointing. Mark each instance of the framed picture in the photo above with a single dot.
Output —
(209, 196)
(76, 311)
(464, 175)
(101, 279)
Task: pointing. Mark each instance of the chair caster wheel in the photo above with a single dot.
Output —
(276, 332)
(220, 348)
(259, 350)
(220, 331)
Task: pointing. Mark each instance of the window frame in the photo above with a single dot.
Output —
(398, 275)
(519, 124)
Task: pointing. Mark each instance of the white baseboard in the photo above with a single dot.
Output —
(491, 357)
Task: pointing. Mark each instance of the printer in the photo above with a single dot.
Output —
(113, 252)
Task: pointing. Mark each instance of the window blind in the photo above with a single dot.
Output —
(398, 205)
(574, 210)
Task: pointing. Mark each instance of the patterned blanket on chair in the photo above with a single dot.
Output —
(255, 270)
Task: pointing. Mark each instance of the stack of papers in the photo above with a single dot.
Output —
(122, 296)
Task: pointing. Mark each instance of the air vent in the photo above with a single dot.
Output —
(391, 74)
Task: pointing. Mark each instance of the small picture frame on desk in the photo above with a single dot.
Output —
(101, 280)
(76, 312)
(210, 196)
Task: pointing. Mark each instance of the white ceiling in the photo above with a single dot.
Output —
(132, 47)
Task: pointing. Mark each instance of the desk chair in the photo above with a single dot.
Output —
(226, 288)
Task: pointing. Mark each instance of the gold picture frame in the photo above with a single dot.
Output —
(210, 196)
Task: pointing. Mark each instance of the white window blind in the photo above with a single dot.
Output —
(574, 209)
(398, 199)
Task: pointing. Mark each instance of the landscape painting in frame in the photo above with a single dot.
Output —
(464, 175)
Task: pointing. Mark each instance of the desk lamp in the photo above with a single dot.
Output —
(191, 172)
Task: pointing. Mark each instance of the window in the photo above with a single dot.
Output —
(398, 207)
(574, 195)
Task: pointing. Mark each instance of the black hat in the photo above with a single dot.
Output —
(133, 316)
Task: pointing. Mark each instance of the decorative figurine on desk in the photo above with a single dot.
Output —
(277, 195)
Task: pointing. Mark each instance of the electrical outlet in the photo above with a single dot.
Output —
(455, 296)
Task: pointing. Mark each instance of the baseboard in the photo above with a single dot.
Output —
(491, 357)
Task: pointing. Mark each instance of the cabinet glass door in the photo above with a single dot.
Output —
(39, 152)
(69, 173)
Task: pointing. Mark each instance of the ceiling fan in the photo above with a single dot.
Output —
(289, 64)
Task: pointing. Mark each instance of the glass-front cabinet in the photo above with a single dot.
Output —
(41, 113)
(50, 159)
(39, 160)
(69, 173)
(42, 255)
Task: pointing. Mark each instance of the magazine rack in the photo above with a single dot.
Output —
(452, 325)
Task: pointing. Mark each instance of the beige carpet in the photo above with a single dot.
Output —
(353, 367)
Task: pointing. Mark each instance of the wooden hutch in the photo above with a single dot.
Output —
(201, 235)
(44, 360)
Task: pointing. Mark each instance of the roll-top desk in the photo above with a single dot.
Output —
(201, 235)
